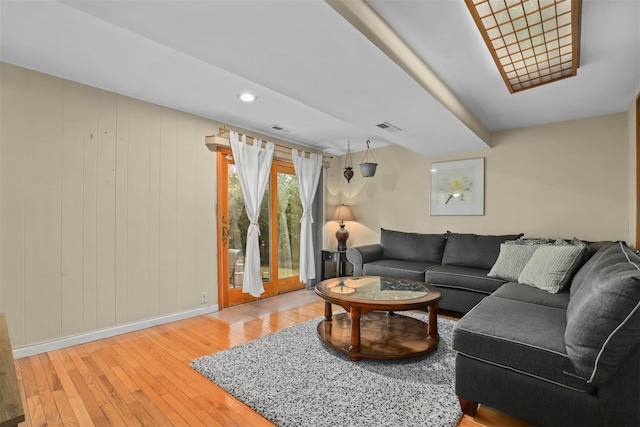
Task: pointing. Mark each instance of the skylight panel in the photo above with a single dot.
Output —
(532, 42)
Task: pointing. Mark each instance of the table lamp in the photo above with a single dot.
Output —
(342, 213)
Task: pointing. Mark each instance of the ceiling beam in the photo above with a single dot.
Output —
(359, 14)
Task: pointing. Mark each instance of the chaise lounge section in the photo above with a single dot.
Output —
(551, 333)
(570, 358)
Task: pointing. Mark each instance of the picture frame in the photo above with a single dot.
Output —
(457, 187)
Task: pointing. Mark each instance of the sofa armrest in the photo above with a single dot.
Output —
(363, 254)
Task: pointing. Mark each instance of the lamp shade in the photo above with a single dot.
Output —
(343, 213)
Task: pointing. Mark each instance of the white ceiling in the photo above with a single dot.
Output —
(312, 70)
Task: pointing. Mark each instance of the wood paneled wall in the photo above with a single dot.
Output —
(107, 208)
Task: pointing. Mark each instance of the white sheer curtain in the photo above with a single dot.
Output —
(308, 174)
(254, 165)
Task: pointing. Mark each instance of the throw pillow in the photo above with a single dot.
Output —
(551, 267)
(512, 260)
(412, 246)
(473, 250)
(603, 315)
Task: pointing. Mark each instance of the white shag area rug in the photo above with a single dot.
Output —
(292, 379)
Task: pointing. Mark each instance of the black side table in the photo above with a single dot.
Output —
(339, 258)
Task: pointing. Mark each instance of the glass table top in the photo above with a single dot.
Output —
(378, 288)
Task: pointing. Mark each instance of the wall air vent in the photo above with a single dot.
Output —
(388, 127)
(280, 128)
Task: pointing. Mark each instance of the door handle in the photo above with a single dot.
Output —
(225, 233)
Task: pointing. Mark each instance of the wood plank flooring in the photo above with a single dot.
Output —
(143, 378)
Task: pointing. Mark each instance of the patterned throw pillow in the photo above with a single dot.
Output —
(530, 242)
(512, 259)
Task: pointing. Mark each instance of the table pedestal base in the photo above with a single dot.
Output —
(381, 336)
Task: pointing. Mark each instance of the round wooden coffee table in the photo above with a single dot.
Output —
(370, 328)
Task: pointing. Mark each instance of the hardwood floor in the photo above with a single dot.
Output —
(143, 378)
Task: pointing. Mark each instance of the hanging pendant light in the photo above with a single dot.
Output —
(348, 163)
(368, 168)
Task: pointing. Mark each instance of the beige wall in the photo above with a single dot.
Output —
(107, 203)
(106, 208)
(563, 179)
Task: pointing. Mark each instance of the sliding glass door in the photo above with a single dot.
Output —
(279, 222)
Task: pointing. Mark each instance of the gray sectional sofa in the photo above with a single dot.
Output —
(550, 336)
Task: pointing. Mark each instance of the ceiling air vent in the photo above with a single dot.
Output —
(280, 128)
(388, 127)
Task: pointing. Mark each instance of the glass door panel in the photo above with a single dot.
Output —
(239, 225)
(237, 228)
(289, 213)
(264, 239)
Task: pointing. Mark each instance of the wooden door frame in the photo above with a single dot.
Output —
(222, 206)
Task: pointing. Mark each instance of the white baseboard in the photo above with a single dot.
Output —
(30, 350)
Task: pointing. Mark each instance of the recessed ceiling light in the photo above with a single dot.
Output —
(247, 96)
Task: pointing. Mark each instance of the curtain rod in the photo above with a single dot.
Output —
(282, 152)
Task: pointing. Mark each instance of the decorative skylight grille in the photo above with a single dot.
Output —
(533, 42)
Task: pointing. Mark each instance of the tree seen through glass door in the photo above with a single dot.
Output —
(289, 215)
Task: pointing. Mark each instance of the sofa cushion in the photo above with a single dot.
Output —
(584, 270)
(512, 260)
(412, 246)
(594, 247)
(396, 268)
(473, 250)
(551, 267)
(520, 292)
(603, 316)
(467, 278)
(502, 332)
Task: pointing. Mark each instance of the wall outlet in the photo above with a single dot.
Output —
(203, 298)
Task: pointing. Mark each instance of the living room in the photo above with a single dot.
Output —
(108, 199)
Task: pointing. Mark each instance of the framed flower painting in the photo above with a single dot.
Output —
(457, 187)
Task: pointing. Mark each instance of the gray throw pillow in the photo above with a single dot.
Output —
(603, 315)
(412, 246)
(551, 267)
(512, 260)
(473, 250)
